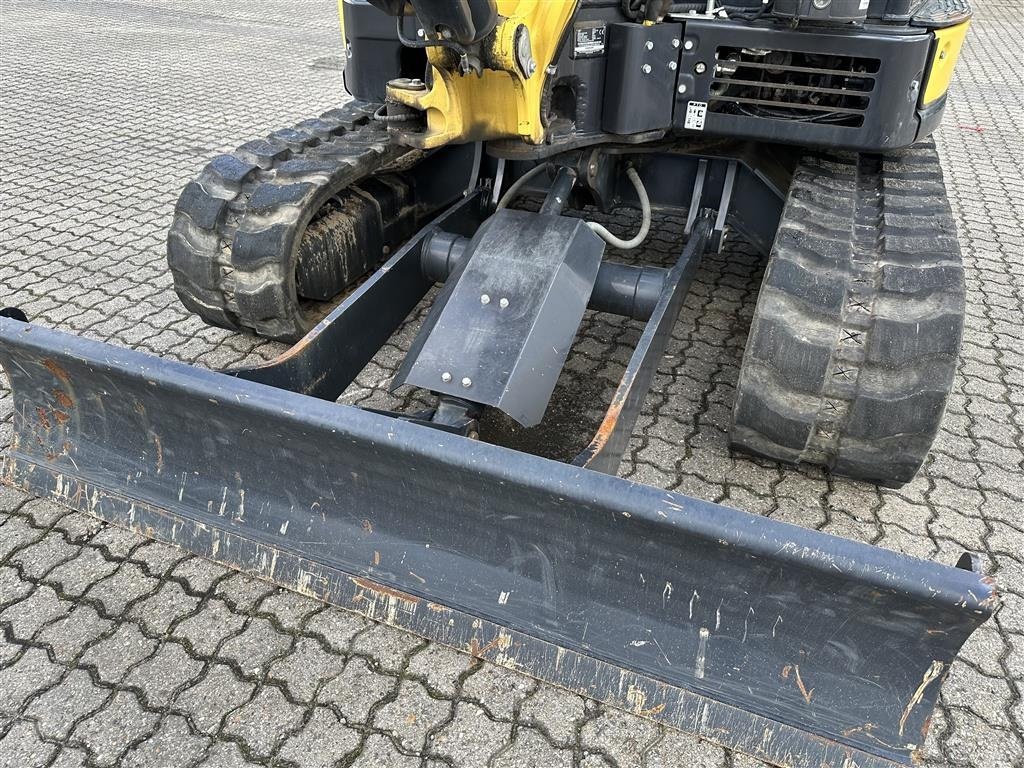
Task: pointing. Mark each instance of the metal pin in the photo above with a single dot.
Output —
(467, 382)
(485, 299)
(446, 377)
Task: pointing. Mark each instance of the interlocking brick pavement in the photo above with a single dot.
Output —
(114, 651)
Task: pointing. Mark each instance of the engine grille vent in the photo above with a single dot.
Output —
(790, 85)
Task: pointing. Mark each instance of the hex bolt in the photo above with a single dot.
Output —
(646, 69)
(700, 67)
(688, 45)
(672, 65)
(485, 299)
(650, 45)
(420, 33)
(682, 88)
(467, 382)
(675, 42)
(503, 303)
(446, 377)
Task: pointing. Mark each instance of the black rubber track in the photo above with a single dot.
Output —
(854, 343)
(234, 247)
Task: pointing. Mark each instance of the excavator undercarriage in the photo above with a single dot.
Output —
(799, 126)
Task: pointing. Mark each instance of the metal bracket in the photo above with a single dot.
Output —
(695, 197)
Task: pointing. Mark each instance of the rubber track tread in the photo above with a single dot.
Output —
(234, 244)
(866, 245)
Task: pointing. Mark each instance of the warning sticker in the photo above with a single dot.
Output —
(696, 111)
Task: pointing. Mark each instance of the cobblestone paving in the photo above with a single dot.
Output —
(119, 651)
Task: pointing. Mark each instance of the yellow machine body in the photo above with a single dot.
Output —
(948, 42)
(498, 103)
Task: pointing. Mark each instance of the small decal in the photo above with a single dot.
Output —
(588, 40)
(864, 5)
(696, 111)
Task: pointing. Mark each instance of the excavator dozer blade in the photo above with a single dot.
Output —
(789, 644)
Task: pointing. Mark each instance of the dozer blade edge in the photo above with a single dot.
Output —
(800, 648)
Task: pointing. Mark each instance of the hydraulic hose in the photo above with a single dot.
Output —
(645, 225)
(520, 183)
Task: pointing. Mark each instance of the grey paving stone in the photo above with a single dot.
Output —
(199, 574)
(69, 757)
(158, 558)
(356, 690)
(623, 737)
(255, 646)
(555, 711)
(209, 627)
(113, 656)
(158, 612)
(388, 647)
(172, 746)
(439, 667)
(500, 691)
(264, 722)
(242, 592)
(126, 584)
(678, 749)
(471, 738)
(529, 749)
(336, 627)
(288, 608)
(68, 636)
(306, 667)
(116, 542)
(43, 512)
(38, 558)
(169, 670)
(30, 614)
(109, 733)
(21, 747)
(58, 710)
(225, 754)
(12, 586)
(28, 676)
(209, 700)
(78, 528)
(411, 715)
(17, 532)
(381, 752)
(77, 575)
(323, 741)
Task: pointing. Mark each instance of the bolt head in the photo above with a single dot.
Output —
(700, 68)
(682, 88)
(688, 45)
(446, 377)
(649, 45)
(675, 42)
(485, 299)
(503, 303)
(646, 69)
(467, 382)
(672, 65)
(420, 33)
